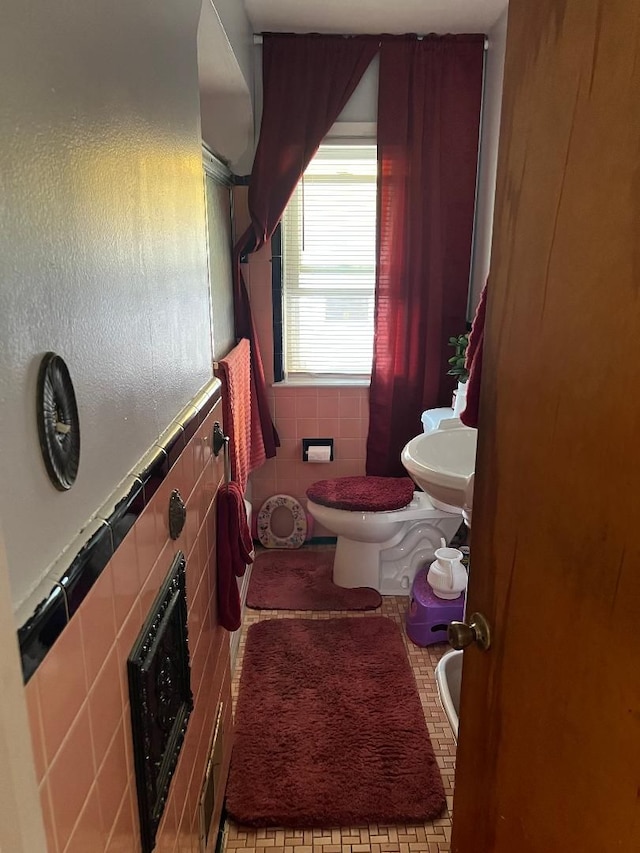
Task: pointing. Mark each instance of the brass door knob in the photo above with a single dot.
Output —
(477, 630)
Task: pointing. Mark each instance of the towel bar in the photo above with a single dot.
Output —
(220, 442)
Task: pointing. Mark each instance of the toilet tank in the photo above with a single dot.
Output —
(432, 417)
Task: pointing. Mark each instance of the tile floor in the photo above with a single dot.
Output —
(433, 837)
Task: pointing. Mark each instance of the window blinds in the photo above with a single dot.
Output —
(329, 257)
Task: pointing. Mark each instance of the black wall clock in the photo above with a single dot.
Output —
(58, 424)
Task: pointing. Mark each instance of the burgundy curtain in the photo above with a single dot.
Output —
(307, 80)
(428, 125)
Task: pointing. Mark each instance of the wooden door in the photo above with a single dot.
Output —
(549, 752)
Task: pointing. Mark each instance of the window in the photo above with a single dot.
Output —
(328, 265)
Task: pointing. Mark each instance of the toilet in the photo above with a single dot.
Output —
(386, 531)
(385, 548)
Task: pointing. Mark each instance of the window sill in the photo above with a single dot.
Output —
(321, 381)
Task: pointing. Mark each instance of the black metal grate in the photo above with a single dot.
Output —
(161, 698)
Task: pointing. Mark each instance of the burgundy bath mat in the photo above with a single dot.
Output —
(302, 580)
(329, 728)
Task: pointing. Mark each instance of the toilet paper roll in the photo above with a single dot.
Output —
(319, 453)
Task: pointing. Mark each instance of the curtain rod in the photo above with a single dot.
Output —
(257, 39)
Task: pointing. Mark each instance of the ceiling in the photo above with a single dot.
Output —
(374, 16)
(226, 53)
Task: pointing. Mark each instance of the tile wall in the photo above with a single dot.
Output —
(339, 413)
(78, 697)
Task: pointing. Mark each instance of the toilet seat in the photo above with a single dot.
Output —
(363, 494)
(265, 533)
(421, 506)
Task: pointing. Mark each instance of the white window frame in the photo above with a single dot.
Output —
(340, 134)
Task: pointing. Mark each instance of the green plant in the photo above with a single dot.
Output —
(457, 361)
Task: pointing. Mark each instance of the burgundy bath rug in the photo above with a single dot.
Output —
(302, 580)
(329, 729)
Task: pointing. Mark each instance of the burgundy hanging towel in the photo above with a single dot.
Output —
(474, 363)
(245, 545)
(233, 552)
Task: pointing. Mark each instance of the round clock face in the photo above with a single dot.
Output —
(58, 424)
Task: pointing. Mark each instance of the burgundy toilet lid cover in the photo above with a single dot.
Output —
(363, 494)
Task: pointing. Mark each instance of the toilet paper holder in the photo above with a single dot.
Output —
(316, 442)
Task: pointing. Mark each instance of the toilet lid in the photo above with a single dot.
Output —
(299, 532)
(363, 494)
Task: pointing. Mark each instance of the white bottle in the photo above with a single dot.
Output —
(447, 575)
(461, 399)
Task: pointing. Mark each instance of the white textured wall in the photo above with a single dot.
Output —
(239, 30)
(488, 164)
(219, 227)
(21, 826)
(102, 247)
(225, 76)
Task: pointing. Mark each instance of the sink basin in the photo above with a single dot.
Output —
(448, 680)
(442, 463)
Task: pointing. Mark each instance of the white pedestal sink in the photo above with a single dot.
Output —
(443, 463)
